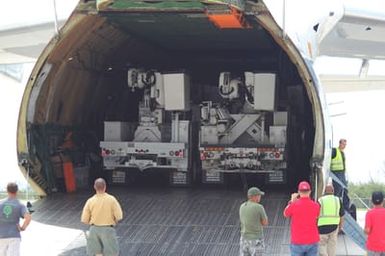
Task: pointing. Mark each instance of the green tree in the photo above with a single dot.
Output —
(364, 190)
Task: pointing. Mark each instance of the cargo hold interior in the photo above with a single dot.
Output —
(83, 83)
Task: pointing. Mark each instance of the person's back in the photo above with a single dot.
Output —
(303, 213)
(375, 226)
(102, 212)
(252, 217)
(105, 210)
(250, 214)
(11, 210)
(330, 221)
(376, 238)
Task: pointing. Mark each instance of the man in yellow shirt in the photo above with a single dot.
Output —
(102, 212)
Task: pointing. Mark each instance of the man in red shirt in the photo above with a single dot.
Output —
(303, 213)
(375, 226)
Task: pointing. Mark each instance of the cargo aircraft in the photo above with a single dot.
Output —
(200, 91)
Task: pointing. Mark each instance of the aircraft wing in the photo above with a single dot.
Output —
(24, 32)
(24, 44)
(356, 30)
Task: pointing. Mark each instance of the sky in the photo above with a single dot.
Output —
(361, 123)
(12, 16)
(33, 12)
(10, 98)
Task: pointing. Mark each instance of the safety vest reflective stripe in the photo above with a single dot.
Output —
(330, 209)
(337, 163)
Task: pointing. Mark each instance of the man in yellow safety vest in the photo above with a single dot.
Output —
(338, 168)
(330, 221)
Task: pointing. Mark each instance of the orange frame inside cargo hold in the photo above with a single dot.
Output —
(233, 19)
(69, 176)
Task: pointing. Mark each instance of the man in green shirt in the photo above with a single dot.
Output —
(252, 217)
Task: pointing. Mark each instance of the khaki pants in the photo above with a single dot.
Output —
(328, 243)
(10, 246)
(102, 240)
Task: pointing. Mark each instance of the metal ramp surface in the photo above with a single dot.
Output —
(354, 231)
(171, 221)
(350, 226)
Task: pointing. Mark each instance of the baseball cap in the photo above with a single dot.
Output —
(304, 186)
(377, 197)
(253, 191)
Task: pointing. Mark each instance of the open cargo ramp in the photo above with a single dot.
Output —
(164, 222)
(172, 221)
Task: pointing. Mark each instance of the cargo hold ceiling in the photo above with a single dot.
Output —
(98, 51)
(191, 32)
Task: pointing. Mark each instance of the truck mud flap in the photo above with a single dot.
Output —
(180, 179)
(212, 177)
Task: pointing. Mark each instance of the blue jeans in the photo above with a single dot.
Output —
(373, 253)
(304, 249)
(337, 187)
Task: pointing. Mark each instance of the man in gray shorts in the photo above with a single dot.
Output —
(11, 210)
(102, 212)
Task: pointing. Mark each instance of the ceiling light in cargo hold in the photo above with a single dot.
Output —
(230, 19)
(146, 21)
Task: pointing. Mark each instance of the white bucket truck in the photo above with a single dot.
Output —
(243, 132)
(160, 138)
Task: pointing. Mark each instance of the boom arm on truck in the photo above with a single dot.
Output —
(160, 140)
(243, 132)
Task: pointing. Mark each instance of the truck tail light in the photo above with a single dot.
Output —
(179, 153)
(105, 152)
